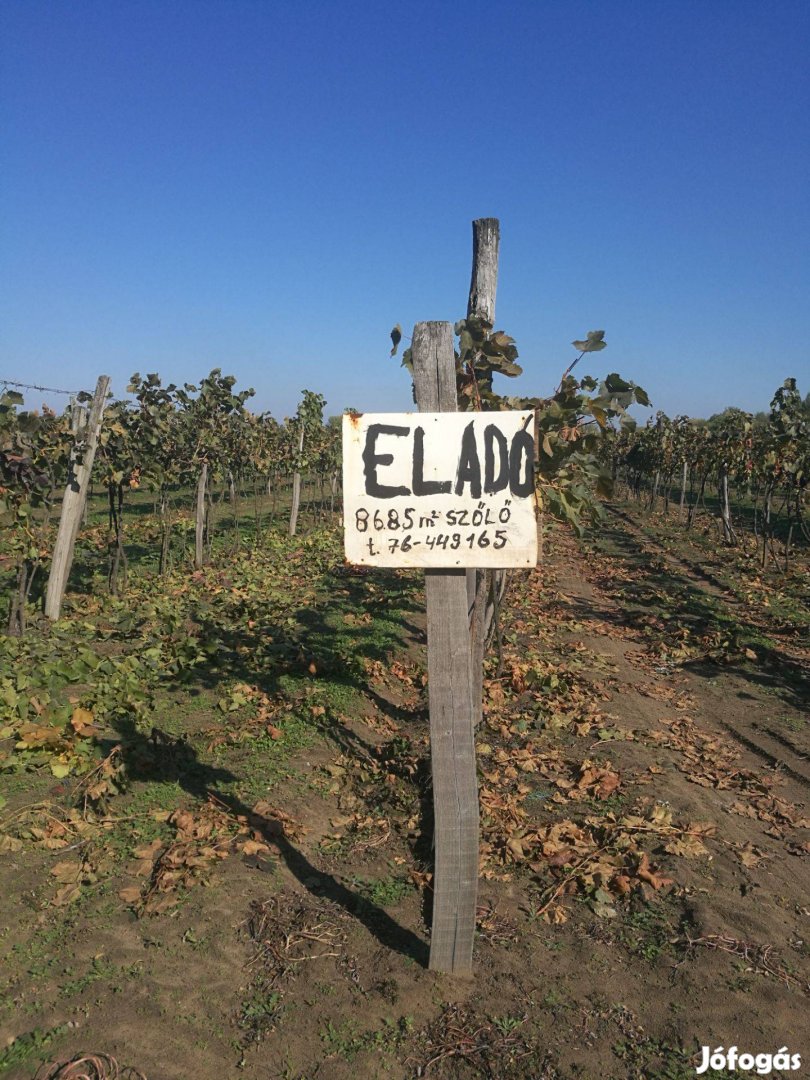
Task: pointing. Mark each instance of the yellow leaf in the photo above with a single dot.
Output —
(253, 847)
(81, 719)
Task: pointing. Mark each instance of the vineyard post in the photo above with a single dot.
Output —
(450, 690)
(78, 422)
(81, 466)
(683, 485)
(199, 523)
(296, 489)
(481, 305)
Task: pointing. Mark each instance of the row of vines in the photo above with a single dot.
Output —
(188, 478)
(191, 448)
(195, 450)
(748, 474)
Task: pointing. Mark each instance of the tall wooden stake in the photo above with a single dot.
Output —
(81, 465)
(484, 280)
(296, 491)
(455, 790)
(199, 522)
(481, 305)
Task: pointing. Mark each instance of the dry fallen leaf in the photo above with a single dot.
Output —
(658, 881)
(68, 871)
(254, 847)
(750, 855)
(687, 846)
(66, 895)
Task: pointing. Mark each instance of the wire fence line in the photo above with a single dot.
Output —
(44, 389)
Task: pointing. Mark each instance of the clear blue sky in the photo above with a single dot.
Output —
(268, 187)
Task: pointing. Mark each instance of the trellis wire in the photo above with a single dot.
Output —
(44, 389)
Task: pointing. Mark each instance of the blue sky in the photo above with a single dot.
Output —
(268, 187)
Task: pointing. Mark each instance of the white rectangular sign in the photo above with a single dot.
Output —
(439, 489)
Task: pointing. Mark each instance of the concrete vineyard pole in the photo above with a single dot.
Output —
(81, 466)
(455, 789)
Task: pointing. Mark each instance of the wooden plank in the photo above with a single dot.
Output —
(434, 372)
(81, 466)
(455, 792)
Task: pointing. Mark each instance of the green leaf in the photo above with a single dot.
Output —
(615, 384)
(465, 343)
(396, 337)
(593, 343)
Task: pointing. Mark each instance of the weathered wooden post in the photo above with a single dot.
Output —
(444, 491)
(199, 521)
(452, 707)
(81, 466)
(484, 280)
(481, 305)
(296, 488)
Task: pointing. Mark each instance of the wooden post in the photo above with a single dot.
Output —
(481, 305)
(455, 791)
(683, 486)
(81, 465)
(484, 280)
(199, 524)
(296, 489)
(78, 422)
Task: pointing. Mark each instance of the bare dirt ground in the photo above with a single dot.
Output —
(644, 786)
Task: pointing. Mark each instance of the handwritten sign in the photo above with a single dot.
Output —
(439, 489)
